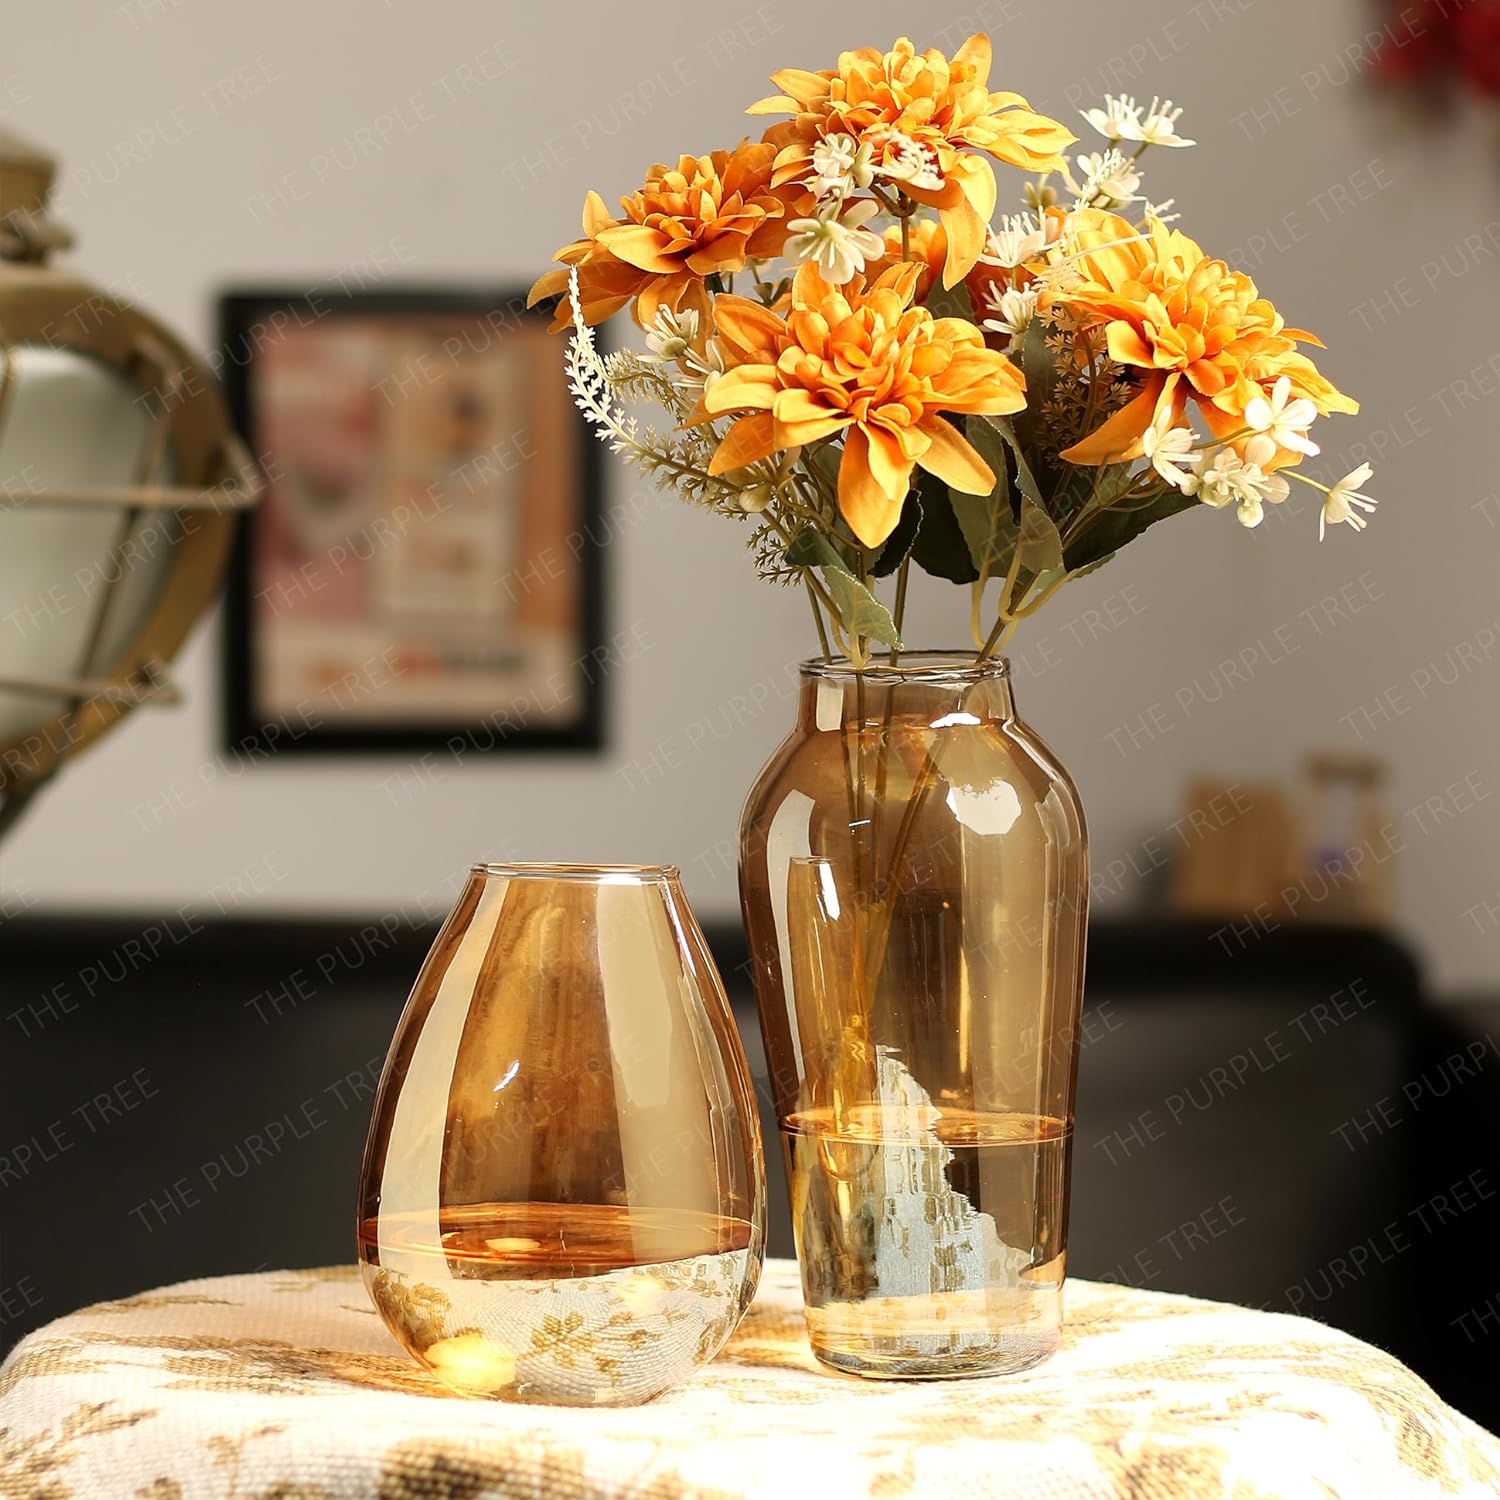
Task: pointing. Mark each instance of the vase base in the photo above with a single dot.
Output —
(958, 1334)
(976, 1366)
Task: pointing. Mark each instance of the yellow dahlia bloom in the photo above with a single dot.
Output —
(927, 246)
(923, 116)
(1193, 328)
(706, 214)
(863, 363)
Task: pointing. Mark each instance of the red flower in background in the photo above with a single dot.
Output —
(1437, 44)
(1477, 30)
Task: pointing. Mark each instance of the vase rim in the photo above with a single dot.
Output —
(602, 874)
(960, 666)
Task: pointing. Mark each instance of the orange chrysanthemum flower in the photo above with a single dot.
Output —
(946, 108)
(707, 214)
(865, 363)
(1194, 328)
(927, 244)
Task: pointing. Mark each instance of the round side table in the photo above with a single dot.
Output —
(285, 1386)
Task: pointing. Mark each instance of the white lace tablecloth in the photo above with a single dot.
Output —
(285, 1386)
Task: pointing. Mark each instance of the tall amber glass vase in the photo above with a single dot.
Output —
(563, 1193)
(914, 871)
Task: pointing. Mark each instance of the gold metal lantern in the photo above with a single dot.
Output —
(120, 480)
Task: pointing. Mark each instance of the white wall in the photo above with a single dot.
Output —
(209, 143)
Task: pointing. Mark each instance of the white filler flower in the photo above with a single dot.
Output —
(840, 164)
(1119, 120)
(1170, 453)
(1284, 420)
(1159, 128)
(1256, 487)
(1018, 239)
(1343, 504)
(1013, 312)
(671, 335)
(1223, 478)
(1122, 119)
(1106, 173)
(839, 247)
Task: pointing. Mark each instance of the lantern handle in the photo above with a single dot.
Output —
(155, 685)
(233, 494)
(27, 233)
(240, 491)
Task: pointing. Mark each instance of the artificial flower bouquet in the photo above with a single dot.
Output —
(861, 362)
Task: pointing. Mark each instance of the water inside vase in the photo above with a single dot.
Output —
(585, 1304)
(931, 1240)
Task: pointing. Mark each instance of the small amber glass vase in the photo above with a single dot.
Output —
(914, 872)
(563, 1192)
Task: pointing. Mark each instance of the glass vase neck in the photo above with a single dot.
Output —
(942, 688)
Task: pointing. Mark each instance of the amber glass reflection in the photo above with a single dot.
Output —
(563, 1193)
(914, 871)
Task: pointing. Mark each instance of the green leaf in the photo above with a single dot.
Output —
(1041, 546)
(988, 531)
(860, 612)
(1025, 479)
(952, 303)
(1066, 486)
(1090, 486)
(826, 458)
(1041, 561)
(986, 440)
(987, 524)
(811, 549)
(1040, 368)
(1111, 528)
(940, 548)
(990, 525)
(1092, 567)
(899, 542)
(987, 520)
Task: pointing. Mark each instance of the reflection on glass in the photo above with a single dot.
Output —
(563, 1195)
(914, 874)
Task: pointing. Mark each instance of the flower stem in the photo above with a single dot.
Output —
(817, 615)
(997, 637)
(864, 857)
(1027, 610)
(816, 593)
(1004, 626)
(1304, 479)
(883, 760)
(902, 574)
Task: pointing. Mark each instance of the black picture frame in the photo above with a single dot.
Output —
(244, 316)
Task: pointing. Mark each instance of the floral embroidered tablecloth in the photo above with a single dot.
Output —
(285, 1386)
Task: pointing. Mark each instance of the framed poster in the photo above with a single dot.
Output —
(425, 563)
